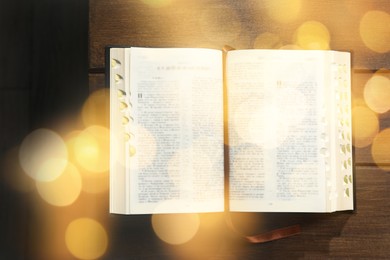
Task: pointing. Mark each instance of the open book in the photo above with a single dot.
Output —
(195, 130)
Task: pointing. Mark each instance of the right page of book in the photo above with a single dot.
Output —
(279, 131)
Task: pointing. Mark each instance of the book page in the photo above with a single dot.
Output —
(175, 163)
(275, 133)
(342, 191)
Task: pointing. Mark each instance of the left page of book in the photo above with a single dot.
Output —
(166, 131)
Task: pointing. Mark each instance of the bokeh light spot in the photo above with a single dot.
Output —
(86, 238)
(95, 110)
(283, 11)
(312, 35)
(268, 125)
(377, 93)
(380, 149)
(375, 31)
(365, 126)
(62, 191)
(39, 150)
(92, 148)
(175, 229)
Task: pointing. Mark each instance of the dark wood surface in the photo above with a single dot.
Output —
(363, 234)
(50, 43)
(43, 78)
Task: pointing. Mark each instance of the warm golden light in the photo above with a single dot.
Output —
(380, 149)
(312, 35)
(96, 110)
(375, 31)
(212, 220)
(283, 11)
(92, 182)
(221, 25)
(70, 139)
(267, 124)
(267, 40)
(365, 126)
(290, 47)
(62, 191)
(175, 229)
(377, 93)
(86, 238)
(92, 148)
(43, 155)
(157, 3)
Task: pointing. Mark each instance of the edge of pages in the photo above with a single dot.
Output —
(339, 168)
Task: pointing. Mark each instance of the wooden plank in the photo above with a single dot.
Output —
(363, 233)
(96, 81)
(204, 23)
(196, 24)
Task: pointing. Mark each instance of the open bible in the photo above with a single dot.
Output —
(202, 130)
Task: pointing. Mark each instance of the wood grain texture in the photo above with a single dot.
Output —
(362, 234)
(204, 23)
(213, 24)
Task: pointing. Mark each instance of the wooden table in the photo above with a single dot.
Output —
(363, 234)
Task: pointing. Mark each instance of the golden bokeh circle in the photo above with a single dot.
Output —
(43, 155)
(175, 229)
(377, 93)
(95, 110)
(375, 30)
(92, 148)
(312, 35)
(283, 11)
(380, 149)
(62, 191)
(86, 238)
(365, 126)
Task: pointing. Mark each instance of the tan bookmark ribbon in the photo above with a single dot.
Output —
(274, 234)
(267, 236)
